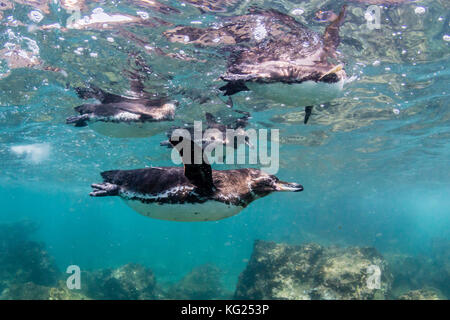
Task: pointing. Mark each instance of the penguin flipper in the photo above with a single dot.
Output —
(308, 112)
(97, 93)
(331, 35)
(199, 172)
(137, 73)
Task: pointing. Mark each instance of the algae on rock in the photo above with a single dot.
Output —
(129, 282)
(311, 271)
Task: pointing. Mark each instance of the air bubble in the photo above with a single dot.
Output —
(297, 12)
(35, 16)
(419, 10)
(144, 15)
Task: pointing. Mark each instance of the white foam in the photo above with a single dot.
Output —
(34, 153)
(98, 16)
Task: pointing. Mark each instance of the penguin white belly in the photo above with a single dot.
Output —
(128, 129)
(307, 93)
(207, 211)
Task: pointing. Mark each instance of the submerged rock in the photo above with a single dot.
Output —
(202, 283)
(422, 294)
(410, 273)
(129, 282)
(32, 291)
(424, 270)
(440, 253)
(23, 260)
(310, 271)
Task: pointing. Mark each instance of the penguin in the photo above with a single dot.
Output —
(193, 193)
(292, 69)
(141, 115)
(275, 56)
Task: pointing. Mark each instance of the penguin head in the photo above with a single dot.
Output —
(265, 184)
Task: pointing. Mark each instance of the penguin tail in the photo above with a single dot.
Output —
(104, 189)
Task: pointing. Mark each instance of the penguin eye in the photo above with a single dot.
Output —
(270, 182)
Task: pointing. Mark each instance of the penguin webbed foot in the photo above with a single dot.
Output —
(308, 112)
(104, 190)
(78, 121)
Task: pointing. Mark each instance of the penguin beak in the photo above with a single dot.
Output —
(166, 143)
(286, 186)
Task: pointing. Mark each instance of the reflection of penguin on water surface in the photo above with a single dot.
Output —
(142, 115)
(275, 56)
(195, 193)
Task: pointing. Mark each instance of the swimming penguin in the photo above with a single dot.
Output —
(141, 115)
(275, 56)
(293, 68)
(229, 135)
(193, 193)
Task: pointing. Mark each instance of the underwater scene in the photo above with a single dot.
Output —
(224, 149)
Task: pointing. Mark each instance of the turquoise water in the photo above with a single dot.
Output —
(374, 162)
